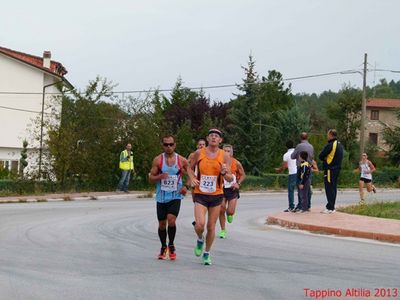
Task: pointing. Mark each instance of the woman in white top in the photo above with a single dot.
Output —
(366, 168)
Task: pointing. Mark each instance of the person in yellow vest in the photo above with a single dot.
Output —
(127, 167)
(331, 156)
(213, 166)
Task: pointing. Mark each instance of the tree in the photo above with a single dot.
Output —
(290, 123)
(346, 112)
(82, 144)
(253, 130)
(315, 106)
(23, 163)
(246, 120)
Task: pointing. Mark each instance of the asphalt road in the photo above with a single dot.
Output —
(106, 249)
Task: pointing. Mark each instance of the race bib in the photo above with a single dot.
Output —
(208, 184)
(228, 184)
(169, 184)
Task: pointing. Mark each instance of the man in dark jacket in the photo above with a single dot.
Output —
(331, 156)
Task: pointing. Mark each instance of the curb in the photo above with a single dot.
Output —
(385, 237)
(69, 197)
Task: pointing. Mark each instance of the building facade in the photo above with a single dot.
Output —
(28, 85)
(380, 113)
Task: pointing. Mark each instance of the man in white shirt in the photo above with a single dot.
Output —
(290, 164)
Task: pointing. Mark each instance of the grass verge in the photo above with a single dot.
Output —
(388, 210)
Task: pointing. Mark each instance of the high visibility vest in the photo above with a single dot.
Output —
(124, 163)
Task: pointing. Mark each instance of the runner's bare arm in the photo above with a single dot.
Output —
(242, 173)
(191, 166)
(154, 174)
(371, 167)
(187, 170)
(226, 168)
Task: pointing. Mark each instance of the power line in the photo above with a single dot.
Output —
(345, 72)
(209, 87)
(194, 88)
(20, 109)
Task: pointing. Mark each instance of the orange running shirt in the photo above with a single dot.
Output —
(209, 173)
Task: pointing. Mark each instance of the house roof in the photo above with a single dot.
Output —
(56, 68)
(384, 103)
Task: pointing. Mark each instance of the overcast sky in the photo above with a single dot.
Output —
(149, 43)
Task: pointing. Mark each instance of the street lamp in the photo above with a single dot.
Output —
(42, 125)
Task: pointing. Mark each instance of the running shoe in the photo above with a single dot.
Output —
(163, 253)
(374, 189)
(172, 253)
(207, 259)
(229, 218)
(326, 211)
(199, 247)
(222, 234)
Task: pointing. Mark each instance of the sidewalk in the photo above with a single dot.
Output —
(73, 196)
(381, 229)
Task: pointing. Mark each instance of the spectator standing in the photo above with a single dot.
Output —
(331, 156)
(127, 167)
(290, 164)
(304, 145)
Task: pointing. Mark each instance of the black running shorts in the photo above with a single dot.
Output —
(231, 194)
(171, 207)
(365, 180)
(208, 200)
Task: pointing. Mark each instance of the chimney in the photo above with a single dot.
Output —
(46, 59)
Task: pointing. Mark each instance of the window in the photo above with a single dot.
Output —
(374, 114)
(373, 138)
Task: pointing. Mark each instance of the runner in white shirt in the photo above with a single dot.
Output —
(366, 168)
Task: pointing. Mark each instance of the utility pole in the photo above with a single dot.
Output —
(363, 107)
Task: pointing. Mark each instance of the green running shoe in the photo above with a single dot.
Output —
(199, 247)
(207, 259)
(229, 218)
(222, 234)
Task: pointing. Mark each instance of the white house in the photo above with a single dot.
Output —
(26, 83)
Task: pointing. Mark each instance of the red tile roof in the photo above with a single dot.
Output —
(388, 103)
(36, 61)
